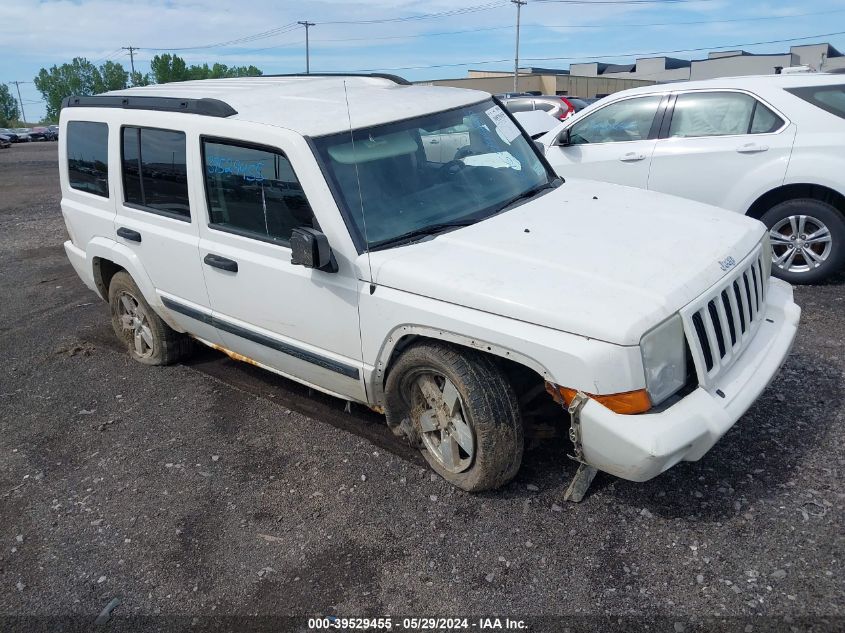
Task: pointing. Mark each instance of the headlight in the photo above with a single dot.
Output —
(664, 359)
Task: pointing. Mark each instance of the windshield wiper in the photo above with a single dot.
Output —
(431, 229)
(528, 194)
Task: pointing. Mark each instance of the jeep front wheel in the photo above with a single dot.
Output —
(462, 411)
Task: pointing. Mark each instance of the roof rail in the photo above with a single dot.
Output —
(394, 78)
(204, 107)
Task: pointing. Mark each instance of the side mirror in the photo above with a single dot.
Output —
(540, 146)
(310, 248)
(565, 138)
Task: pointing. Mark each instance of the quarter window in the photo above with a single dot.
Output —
(828, 98)
(628, 120)
(253, 191)
(155, 174)
(88, 157)
(721, 114)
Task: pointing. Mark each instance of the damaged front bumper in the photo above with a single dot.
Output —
(639, 447)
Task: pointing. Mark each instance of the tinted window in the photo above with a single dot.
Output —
(764, 120)
(253, 190)
(154, 170)
(628, 120)
(87, 157)
(721, 114)
(828, 98)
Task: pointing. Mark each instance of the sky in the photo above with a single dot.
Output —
(422, 39)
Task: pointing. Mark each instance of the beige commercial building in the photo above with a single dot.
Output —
(592, 79)
(547, 81)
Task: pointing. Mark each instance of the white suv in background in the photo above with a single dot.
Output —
(771, 147)
(312, 226)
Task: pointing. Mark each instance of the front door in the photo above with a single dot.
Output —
(612, 144)
(298, 321)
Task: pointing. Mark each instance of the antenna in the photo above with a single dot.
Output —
(360, 194)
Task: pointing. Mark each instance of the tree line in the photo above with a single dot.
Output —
(81, 77)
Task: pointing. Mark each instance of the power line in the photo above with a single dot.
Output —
(572, 26)
(425, 16)
(619, 1)
(593, 57)
(294, 25)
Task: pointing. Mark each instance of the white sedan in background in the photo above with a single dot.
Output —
(770, 147)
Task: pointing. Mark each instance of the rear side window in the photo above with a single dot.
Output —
(828, 98)
(88, 157)
(253, 191)
(155, 174)
(699, 114)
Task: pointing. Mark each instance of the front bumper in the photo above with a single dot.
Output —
(639, 447)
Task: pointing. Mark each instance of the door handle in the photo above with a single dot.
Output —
(129, 234)
(631, 157)
(751, 148)
(215, 261)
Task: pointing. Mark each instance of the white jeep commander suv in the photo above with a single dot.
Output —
(771, 147)
(410, 248)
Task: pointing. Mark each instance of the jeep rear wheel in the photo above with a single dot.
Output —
(808, 240)
(148, 339)
(463, 413)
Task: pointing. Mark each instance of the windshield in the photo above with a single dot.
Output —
(428, 173)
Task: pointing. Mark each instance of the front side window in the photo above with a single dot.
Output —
(253, 191)
(627, 120)
(155, 175)
(88, 157)
(394, 188)
(828, 98)
(721, 114)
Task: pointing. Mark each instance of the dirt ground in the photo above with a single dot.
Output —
(213, 494)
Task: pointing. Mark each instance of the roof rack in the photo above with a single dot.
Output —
(204, 107)
(394, 78)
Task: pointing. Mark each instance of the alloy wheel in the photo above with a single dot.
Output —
(800, 243)
(438, 412)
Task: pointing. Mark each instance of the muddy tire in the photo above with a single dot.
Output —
(463, 413)
(148, 339)
(808, 240)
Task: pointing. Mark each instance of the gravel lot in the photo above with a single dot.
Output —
(213, 489)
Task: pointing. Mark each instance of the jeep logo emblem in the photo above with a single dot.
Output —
(727, 263)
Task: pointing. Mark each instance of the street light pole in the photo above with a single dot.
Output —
(307, 25)
(518, 4)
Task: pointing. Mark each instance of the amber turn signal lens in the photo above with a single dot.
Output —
(628, 403)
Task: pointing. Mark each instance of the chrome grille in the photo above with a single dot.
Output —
(720, 324)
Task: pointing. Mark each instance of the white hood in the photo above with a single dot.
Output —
(589, 258)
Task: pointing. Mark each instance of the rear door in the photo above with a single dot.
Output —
(613, 143)
(157, 219)
(721, 147)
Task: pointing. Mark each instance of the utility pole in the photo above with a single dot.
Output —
(307, 25)
(131, 50)
(518, 4)
(17, 85)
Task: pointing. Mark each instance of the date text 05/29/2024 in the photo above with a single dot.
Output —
(415, 624)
